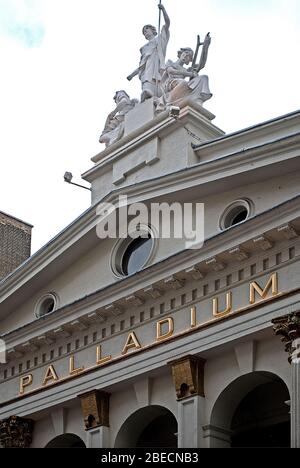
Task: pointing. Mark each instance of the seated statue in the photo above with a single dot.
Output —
(177, 91)
(114, 126)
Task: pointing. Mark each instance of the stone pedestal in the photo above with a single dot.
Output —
(139, 116)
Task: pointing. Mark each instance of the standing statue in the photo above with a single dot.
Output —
(114, 126)
(153, 55)
(176, 90)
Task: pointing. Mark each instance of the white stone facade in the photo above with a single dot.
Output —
(80, 347)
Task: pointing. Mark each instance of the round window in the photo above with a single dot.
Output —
(46, 305)
(236, 213)
(132, 255)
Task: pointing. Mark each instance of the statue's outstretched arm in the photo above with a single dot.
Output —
(166, 16)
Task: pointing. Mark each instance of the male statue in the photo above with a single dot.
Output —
(153, 55)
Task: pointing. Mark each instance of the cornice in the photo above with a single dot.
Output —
(251, 132)
(176, 265)
(196, 175)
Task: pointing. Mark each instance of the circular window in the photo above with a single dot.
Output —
(46, 305)
(132, 254)
(236, 213)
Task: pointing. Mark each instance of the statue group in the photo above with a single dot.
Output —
(168, 83)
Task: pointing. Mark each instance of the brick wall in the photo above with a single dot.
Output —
(15, 243)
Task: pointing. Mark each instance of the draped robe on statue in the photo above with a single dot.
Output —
(152, 62)
(177, 90)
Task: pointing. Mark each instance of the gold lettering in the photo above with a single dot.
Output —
(272, 283)
(226, 311)
(101, 360)
(131, 343)
(160, 336)
(50, 375)
(193, 317)
(25, 382)
(72, 369)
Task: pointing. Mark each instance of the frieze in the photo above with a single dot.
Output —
(163, 330)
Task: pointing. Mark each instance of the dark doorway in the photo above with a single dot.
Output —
(262, 418)
(160, 433)
(66, 441)
(149, 427)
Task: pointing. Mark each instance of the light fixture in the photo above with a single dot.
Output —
(174, 112)
(68, 177)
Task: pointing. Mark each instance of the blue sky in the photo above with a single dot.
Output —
(21, 20)
(63, 60)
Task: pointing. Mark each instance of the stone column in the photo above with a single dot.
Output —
(95, 410)
(188, 377)
(288, 327)
(16, 432)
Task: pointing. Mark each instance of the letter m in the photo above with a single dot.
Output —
(272, 285)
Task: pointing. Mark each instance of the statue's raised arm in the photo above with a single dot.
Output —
(153, 55)
(166, 16)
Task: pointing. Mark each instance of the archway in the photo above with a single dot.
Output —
(252, 411)
(152, 426)
(66, 441)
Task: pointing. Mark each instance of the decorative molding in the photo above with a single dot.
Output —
(16, 432)
(288, 231)
(153, 292)
(29, 347)
(174, 283)
(44, 340)
(14, 354)
(96, 317)
(61, 332)
(95, 409)
(263, 243)
(188, 376)
(216, 264)
(232, 236)
(288, 328)
(114, 309)
(134, 300)
(239, 253)
(79, 325)
(194, 273)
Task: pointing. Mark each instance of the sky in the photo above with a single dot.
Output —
(62, 61)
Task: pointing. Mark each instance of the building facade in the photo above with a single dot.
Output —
(144, 342)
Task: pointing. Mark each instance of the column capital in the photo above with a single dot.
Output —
(288, 328)
(95, 409)
(16, 432)
(188, 376)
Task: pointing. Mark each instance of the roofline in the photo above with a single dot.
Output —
(16, 219)
(86, 216)
(246, 129)
(152, 268)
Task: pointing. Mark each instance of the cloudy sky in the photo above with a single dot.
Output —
(63, 60)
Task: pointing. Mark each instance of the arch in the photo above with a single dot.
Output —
(251, 402)
(66, 441)
(151, 426)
